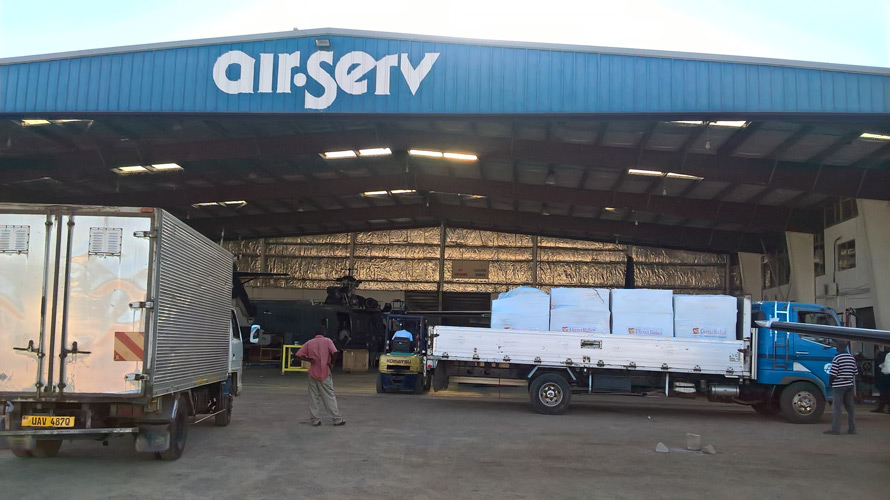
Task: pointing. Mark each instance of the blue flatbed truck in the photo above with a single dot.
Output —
(767, 367)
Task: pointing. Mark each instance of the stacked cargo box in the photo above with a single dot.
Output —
(643, 312)
(580, 310)
(523, 308)
(705, 316)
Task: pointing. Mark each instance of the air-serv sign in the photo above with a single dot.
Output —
(236, 72)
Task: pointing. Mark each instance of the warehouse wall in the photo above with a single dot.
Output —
(413, 260)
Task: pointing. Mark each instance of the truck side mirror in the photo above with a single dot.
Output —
(255, 332)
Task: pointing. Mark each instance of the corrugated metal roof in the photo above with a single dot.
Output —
(375, 73)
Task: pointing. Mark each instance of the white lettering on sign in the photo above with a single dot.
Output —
(350, 74)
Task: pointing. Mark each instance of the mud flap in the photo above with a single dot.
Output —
(440, 378)
(153, 438)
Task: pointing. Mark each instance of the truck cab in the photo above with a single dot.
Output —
(797, 363)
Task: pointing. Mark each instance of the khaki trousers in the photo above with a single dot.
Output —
(321, 394)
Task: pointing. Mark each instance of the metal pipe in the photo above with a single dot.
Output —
(41, 344)
(52, 327)
(63, 355)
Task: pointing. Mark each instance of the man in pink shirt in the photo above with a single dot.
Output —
(321, 354)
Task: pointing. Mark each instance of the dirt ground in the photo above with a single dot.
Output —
(471, 442)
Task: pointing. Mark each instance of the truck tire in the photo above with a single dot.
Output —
(802, 403)
(227, 401)
(178, 432)
(46, 448)
(550, 394)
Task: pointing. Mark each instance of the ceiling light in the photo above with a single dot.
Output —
(729, 124)
(610, 209)
(30, 122)
(472, 196)
(421, 152)
(166, 166)
(460, 156)
(402, 191)
(868, 136)
(688, 123)
(674, 175)
(238, 203)
(550, 179)
(375, 152)
(651, 173)
(374, 193)
(130, 169)
(322, 43)
(338, 154)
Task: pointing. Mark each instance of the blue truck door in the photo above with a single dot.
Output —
(813, 354)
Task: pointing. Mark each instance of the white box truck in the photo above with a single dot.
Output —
(113, 321)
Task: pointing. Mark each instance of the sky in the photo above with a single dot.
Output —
(853, 32)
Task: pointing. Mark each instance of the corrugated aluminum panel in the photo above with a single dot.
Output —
(681, 355)
(434, 76)
(194, 297)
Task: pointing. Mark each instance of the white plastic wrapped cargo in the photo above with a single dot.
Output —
(582, 299)
(643, 312)
(642, 300)
(579, 310)
(574, 320)
(523, 308)
(643, 324)
(705, 316)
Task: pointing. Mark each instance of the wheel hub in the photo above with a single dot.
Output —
(804, 403)
(551, 395)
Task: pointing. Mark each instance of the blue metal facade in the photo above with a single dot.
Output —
(464, 79)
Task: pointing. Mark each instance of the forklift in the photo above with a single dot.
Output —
(402, 366)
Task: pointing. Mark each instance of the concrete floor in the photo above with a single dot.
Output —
(471, 442)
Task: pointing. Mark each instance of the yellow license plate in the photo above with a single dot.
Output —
(46, 421)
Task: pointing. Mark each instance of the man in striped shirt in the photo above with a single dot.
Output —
(843, 383)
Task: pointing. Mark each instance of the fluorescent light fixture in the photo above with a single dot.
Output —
(868, 136)
(338, 154)
(651, 173)
(166, 167)
(393, 191)
(421, 152)
(688, 123)
(610, 209)
(237, 203)
(375, 152)
(130, 169)
(729, 124)
(461, 156)
(31, 122)
(472, 196)
(674, 175)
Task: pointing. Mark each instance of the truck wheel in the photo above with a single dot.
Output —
(380, 389)
(46, 448)
(19, 449)
(226, 402)
(550, 394)
(802, 403)
(178, 432)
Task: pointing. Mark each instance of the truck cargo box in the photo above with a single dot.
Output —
(101, 301)
(705, 316)
(523, 308)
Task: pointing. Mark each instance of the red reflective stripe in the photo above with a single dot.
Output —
(124, 338)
